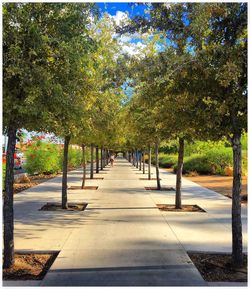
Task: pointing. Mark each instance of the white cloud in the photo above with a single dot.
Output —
(126, 42)
(120, 17)
(124, 38)
(133, 49)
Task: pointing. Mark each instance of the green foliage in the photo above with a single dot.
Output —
(200, 147)
(198, 163)
(47, 158)
(244, 142)
(213, 161)
(166, 160)
(43, 158)
(170, 147)
(244, 163)
(204, 158)
(74, 157)
(3, 175)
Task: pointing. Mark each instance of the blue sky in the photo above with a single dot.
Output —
(112, 8)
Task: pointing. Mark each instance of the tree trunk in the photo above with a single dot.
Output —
(8, 212)
(179, 174)
(84, 166)
(92, 162)
(129, 157)
(97, 159)
(149, 162)
(143, 166)
(140, 159)
(136, 157)
(107, 160)
(237, 254)
(101, 158)
(157, 165)
(104, 158)
(65, 172)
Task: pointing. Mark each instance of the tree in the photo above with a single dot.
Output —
(69, 59)
(213, 77)
(221, 53)
(25, 82)
(33, 54)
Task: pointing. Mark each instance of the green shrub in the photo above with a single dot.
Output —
(74, 157)
(219, 159)
(167, 161)
(244, 162)
(201, 147)
(244, 141)
(3, 175)
(198, 163)
(43, 158)
(47, 158)
(213, 161)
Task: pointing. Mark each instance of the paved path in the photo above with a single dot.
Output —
(122, 238)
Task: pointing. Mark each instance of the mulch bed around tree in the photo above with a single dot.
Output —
(185, 208)
(58, 207)
(162, 189)
(218, 267)
(29, 266)
(32, 181)
(146, 179)
(84, 188)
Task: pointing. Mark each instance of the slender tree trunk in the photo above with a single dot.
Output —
(237, 250)
(136, 157)
(143, 166)
(101, 158)
(8, 212)
(65, 172)
(92, 162)
(107, 160)
(179, 174)
(97, 160)
(157, 165)
(83, 166)
(129, 156)
(140, 159)
(134, 162)
(104, 158)
(149, 162)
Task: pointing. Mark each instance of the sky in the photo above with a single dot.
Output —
(113, 8)
(131, 44)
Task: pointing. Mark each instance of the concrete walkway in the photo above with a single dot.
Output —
(122, 239)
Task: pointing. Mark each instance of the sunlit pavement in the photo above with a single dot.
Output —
(122, 239)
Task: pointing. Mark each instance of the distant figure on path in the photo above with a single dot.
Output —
(112, 159)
